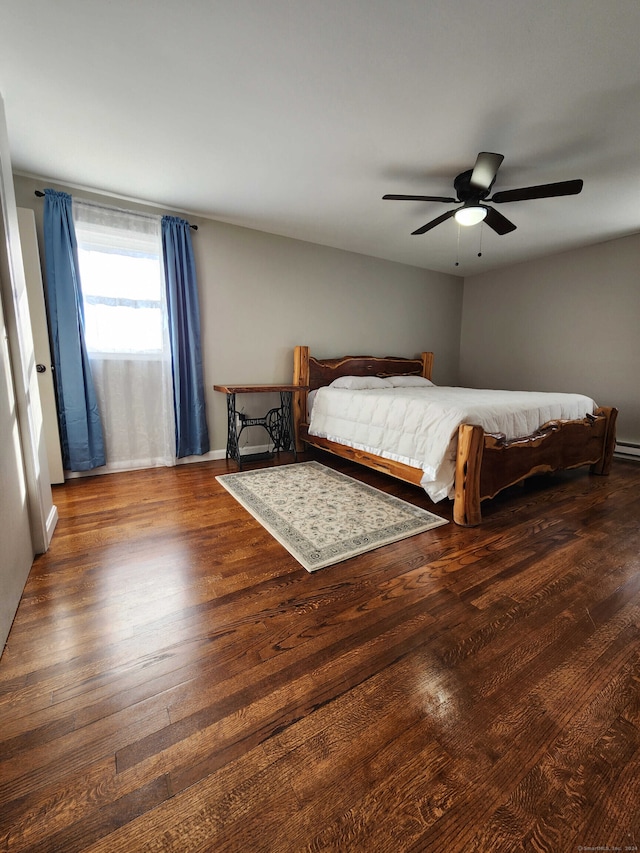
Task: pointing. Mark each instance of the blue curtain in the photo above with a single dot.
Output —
(80, 427)
(192, 435)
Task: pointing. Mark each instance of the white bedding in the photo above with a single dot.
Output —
(419, 426)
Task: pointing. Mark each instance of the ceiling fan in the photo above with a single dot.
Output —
(473, 187)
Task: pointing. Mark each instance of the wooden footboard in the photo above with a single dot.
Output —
(486, 464)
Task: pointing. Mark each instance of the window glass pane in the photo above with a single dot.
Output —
(121, 280)
(119, 276)
(123, 330)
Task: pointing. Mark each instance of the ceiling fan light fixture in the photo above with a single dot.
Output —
(472, 188)
(470, 215)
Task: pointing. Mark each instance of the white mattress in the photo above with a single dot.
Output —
(419, 426)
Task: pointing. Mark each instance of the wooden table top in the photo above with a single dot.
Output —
(256, 389)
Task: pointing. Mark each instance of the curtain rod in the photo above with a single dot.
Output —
(40, 194)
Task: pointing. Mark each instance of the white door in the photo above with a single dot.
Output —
(27, 513)
(37, 310)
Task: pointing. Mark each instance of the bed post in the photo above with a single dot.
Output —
(427, 364)
(603, 466)
(300, 377)
(466, 505)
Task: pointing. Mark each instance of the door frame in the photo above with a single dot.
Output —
(42, 512)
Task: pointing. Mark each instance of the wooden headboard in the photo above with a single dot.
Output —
(316, 372)
(312, 373)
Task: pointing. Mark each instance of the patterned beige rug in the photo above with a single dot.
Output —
(323, 517)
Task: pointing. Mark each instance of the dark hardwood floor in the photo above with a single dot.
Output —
(175, 681)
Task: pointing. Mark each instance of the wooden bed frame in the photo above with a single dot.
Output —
(486, 463)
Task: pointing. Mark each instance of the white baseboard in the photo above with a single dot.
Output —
(52, 520)
(246, 449)
(185, 460)
(627, 450)
(206, 457)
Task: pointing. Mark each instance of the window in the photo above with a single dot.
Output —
(126, 333)
(121, 279)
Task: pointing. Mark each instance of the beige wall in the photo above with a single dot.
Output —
(570, 322)
(261, 295)
(567, 322)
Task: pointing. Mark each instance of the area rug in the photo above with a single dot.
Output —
(322, 516)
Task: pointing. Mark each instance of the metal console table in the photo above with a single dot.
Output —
(278, 422)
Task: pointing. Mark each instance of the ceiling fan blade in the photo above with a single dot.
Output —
(485, 170)
(541, 191)
(419, 198)
(435, 222)
(498, 222)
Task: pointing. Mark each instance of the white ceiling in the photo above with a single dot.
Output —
(296, 116)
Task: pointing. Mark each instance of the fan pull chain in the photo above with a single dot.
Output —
(481, 233)
(457, 263)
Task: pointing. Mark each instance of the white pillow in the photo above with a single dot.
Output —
(360, 383)
(409, 381)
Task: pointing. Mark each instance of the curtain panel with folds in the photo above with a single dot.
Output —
(192, 436)
(81, 434)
